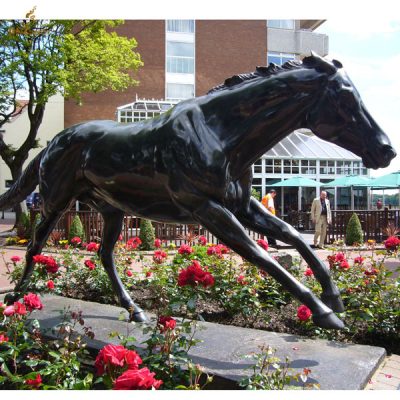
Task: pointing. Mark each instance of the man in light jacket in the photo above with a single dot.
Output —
(321, 216)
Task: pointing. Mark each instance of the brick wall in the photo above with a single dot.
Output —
(223, 48)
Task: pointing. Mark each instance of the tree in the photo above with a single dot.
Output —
(147, 235)
(354, 232)
(46, 57)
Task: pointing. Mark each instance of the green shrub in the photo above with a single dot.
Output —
(77, 229)
(354, 233)
(147, 235)
(24, 226)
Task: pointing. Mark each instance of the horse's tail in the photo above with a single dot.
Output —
(24, 185)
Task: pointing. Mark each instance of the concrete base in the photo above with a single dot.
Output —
(334, 365)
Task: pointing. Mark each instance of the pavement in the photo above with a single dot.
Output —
(387, 376)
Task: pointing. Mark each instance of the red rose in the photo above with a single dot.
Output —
(344, 265)
(159, 256)
(34, 382)
(19, 308)
(140, 379)
(308, 272)
(339, 257)
(120, 237)
(129, 273)
(157, 243)
(214, 250)
(9, 311)
(359, 260)
(133, 243)
(49, 263)
(185, 249)
(3, 338)
(202, 240)
(32, 302)
(149, 274)
(262, 243)
(92, 246)
(90, 264)
(76, 240)
(16, 259)
(392, 243)
(241, 280)
(132, 359)
(303, 313)
(50, 285)
(166, 323)
(110, 355)
(372, 271)
(194, 275)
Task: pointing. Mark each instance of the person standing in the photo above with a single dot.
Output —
(268, 202)
(321, 216)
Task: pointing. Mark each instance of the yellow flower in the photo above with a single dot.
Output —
(23, 241)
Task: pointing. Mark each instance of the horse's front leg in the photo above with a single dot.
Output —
(224, 225)
(113, 221)
(256, 218)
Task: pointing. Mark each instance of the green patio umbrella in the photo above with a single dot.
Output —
(350, 181)
(297, 181)
(389, 181)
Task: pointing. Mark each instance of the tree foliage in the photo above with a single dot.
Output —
(45, 57)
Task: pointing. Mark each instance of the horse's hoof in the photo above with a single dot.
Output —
(10, 298)
(333, 301)
(328, 321)
(138, 316)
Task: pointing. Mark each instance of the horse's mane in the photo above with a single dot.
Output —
(271, 69)
(314, 61)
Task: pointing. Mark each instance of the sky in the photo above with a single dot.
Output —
(370, 53)
(363, 35)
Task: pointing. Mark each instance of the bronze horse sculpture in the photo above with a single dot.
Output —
(193, 165)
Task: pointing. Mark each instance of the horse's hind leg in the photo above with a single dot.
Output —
(224, 225)
(112, 228)
(256, 217)
(35, 246)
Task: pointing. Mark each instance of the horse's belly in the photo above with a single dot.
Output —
(152, 204)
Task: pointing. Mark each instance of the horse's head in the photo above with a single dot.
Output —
(339, 116)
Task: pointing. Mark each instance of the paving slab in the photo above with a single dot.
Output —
(334, 365)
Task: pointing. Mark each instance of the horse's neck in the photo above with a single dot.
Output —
(253, 123)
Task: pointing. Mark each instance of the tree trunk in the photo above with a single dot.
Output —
(16, 171)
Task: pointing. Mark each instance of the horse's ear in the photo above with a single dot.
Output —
(262, 70)
(319, 63)
(337, 64)
(233, 80)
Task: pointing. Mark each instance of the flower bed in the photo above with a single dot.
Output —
(207, 282)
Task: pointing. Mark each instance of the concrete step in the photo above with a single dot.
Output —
(334, 365)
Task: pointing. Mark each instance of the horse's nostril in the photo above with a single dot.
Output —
(389, 152)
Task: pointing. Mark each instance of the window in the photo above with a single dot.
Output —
(279, 58)
(257, 167)
(281, 23)
(268, 167)
(179, 91)
(286, 166)
(295, 166)
(180, 25)
(180, 57)
(277, 166)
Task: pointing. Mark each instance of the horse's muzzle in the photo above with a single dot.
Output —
(388, 153)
